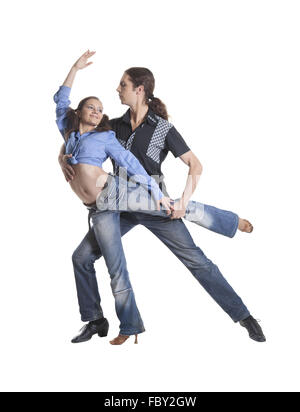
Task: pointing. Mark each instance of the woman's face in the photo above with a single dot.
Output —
(91, 112)
(126, 90)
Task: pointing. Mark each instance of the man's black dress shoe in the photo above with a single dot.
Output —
(253, 328)
(91, 329)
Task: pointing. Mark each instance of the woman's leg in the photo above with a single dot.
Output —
(126, 196)
(106, 226)
(217, 220)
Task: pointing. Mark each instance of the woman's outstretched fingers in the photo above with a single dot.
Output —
(82, 62)
(89, 54)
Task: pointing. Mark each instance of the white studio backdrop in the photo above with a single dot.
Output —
(228, 72)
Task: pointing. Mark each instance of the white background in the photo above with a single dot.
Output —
(228, 72)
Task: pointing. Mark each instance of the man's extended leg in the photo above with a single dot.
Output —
(176, 237)
(174, 234)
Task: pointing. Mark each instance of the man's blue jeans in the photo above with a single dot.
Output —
(174, 234)
(121, 195)
(105, 235)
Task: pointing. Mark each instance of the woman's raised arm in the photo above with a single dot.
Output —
(80, 64)
(61, 99)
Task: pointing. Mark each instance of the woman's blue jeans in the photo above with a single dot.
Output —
(106, 232)
(121, 195)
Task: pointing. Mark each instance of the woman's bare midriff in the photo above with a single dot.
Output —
(88, 182)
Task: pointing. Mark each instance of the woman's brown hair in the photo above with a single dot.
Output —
(73, 119)
(140, 76)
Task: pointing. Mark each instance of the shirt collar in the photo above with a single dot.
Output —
(126, 117)
(151, 117)
(77, 134)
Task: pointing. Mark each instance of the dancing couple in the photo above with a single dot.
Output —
(137, 143)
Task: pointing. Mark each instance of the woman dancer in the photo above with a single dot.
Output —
(89, 141)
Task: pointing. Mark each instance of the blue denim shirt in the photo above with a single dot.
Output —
(95, 147)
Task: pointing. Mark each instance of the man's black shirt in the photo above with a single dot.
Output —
(150, 142)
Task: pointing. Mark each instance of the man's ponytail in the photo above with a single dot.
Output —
(158, 108)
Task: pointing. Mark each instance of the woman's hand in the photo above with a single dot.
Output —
(67, 169)
(82, 62)
(179, 209)
(166, 204)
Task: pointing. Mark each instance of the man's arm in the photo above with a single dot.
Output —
(195, 170)
(67, 169)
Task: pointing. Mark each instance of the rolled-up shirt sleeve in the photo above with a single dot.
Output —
(126, 159)
(61, 98)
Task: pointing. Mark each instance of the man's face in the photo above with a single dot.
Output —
(127, 92)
